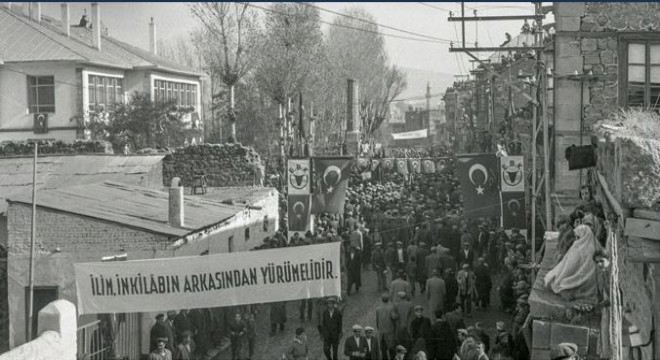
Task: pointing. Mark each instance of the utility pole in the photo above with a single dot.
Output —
(33, 235)
(428, 114)
(301, 125)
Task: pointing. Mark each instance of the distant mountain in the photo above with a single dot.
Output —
(417, 80)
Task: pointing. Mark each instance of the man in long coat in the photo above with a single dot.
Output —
(435, 293)
(403, 316)
(331, 329)
(386, 327)
(443, 340)
(353, 270)
(400, 285)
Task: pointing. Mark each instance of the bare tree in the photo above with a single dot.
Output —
(232, 32)
(357, 49)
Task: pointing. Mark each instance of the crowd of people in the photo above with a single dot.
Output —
(414, 235)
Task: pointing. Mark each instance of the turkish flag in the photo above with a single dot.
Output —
(480, 180)
(330, 180)
(299, 210)
(514, 211)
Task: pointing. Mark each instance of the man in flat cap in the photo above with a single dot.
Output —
(403, 316)
(386, 327)
(160, 353)
(158, 330)
(373, 347)
(563, 351)
(331, 328)
(399, 285)
(379, 266)
(355, 346)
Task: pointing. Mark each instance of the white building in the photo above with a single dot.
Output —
(53, 74)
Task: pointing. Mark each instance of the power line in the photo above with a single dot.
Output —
(434, 7)
(354, 28)
(375, 23)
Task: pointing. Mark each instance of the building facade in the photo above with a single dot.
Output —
(55, 77)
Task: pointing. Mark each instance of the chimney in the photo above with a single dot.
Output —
(153, 42)
(175, 206)
(37, 12)
(66, 19)
(352, 110)
(96, 26)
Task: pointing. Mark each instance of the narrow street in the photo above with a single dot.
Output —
(359, 309)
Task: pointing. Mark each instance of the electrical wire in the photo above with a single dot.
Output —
(354, 28)
(434, 7)
(375, 23)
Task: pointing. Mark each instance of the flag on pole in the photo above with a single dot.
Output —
(331, 180)
(415, 165)
(514, 214)
(428, 166)
(299, 211)
(441, 164)
(402, 166)
(479, 180)
(363, 164)
(299, 176)
(374, 164)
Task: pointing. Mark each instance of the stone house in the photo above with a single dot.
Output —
(54, 75)
(89, 222)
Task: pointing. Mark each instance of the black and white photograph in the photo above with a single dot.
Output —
(329, 180)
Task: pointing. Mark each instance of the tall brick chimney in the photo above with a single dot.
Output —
(65, 18)
(153, 41)
(352, 136)
(175, 206)
(96, 26)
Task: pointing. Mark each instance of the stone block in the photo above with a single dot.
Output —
(541, 331)
(589, 44)
(567, 49)
(568, 65)
(612, 44)
(578, 335)
(592, 59)
(611, 69)
(569, 9)
(568, 23)
(608, 57)
(602, 43)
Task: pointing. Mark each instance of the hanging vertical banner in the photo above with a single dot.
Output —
(441, 164)
(331, 181)
(374, 164)
(514, 212)
(479, 180)
(428, 166)
(512, 173)
(415, 165)
(402, 166)
(299, 176)
(388, 164)
(299, 211)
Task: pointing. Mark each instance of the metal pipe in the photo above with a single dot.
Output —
(32, 240)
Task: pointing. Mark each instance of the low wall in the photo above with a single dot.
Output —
(22, 148)
(223, 164)
(57, 335)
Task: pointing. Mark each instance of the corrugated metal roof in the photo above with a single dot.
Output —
(60, 171)
(23, 40)
(237, 194)
(131, 206)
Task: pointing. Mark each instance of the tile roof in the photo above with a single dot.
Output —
(24, 40)
(131, 206)
(60, 171)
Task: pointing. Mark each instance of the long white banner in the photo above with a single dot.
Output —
(262, 276)
(417, 134)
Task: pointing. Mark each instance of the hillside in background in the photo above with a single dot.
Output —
(417, 80)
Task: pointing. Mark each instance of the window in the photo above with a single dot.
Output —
(105, 93)
(247, 234)
(182, 94)
(41, 94)
(230, 244)
(643, 74)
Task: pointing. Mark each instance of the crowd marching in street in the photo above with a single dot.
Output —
(419, 243)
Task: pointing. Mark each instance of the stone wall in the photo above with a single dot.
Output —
(22, 148)
(223, 164)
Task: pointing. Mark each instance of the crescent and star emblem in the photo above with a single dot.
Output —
(478, 167)
(511, 204)
(328, 170)
(302, 208)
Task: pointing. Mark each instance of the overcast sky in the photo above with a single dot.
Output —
(129, 22)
